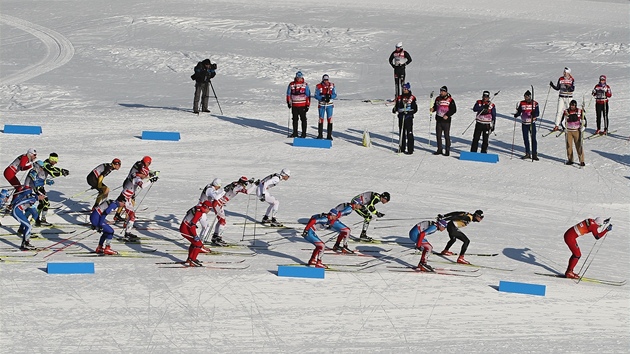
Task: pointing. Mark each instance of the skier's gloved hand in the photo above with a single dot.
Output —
(327, 98)
(379, 214)
(304, 233)
(262, 198)
(515, 115)
(64, 172)
(551, 83)
(153, 179)
(609, 227)
(306, 109)
(289, 105)
(50, 182)
(257, 182)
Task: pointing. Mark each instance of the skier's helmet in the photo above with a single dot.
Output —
(442, 223)
(216, 182)
(285, 172)
(147, 160)
(386, 196)
(398, 45)
(116, 161)
(479, 213)
(600, 221)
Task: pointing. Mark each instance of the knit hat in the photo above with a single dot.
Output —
(486, 93)
(407, 86)
(299, 75)
(527, 93)
(444, 88)
(325, 77)
(399, 45)
(567, 70)
(206, 62)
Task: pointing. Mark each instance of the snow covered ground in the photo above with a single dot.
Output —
(94, 75)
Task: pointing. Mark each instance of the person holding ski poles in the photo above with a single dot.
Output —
(528, 110)
(418, 234)
(406, 107)
(486, 118)
(599, 227)
(565, 87)
(602, 93)
(399, 59)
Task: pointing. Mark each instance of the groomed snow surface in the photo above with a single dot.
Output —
(94, 75)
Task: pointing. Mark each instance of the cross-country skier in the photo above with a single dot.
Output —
(188, 229)
(23, 162)
(129, 191)
(98, 220)
(445, 107)
(343, 209)
(575, 126)
(366, 208)
(325, 93)
(262, 192)
(418, 234)
(565, 87)
(298, 101)
(139, 169)
(219, 198)
(399, 59)
(96, 176)
(323, 221)
(602, 93)
(52, 171)
(529, 112)
(406, 107)
(599, 227)
(457, 220)
(22, 207)
(486, 117)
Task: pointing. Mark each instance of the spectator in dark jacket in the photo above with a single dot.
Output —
(204, 72)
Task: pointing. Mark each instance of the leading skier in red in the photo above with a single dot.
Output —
(599, 227)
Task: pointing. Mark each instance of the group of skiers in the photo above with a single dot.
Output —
(569, 118)
(21, 200)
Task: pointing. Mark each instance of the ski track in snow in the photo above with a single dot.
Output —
(59, 50)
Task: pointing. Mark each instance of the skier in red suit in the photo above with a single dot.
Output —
(599, 227)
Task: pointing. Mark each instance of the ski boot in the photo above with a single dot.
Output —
(461, 260)
(447, 253)
(99, 249)
(275, 223)
(312, 262)
(319, 264)
(193, 263)
(26, 246)
(131, 237)
(265, 220)
(424, 267)
(218, 241)
(569, 274)
(109, 251)
(364, 237)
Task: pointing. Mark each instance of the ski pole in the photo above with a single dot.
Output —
(289, 124)
(478, 113)
(393, 128)
(430, 115)
(513, 137)
(249, 198)
(592, 259)
(545, 106)
(216, 98)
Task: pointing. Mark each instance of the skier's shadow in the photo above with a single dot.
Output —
(524, 255)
